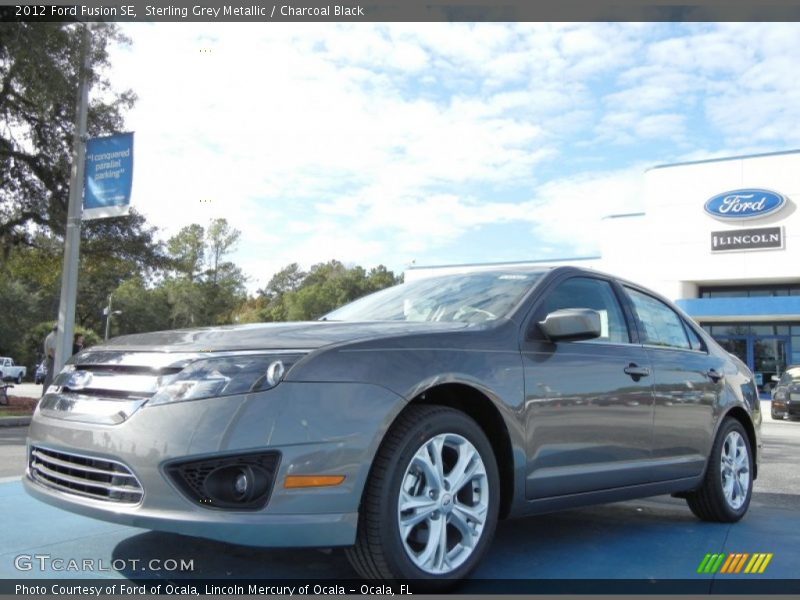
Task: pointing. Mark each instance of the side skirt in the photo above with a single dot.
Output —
(557, 503)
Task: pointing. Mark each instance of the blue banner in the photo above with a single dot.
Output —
(109, 176)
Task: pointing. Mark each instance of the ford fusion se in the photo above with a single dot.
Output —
(402, 426)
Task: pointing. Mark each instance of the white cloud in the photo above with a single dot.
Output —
(376, 143)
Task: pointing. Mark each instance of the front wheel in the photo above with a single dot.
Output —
(430, 506)
(728, 484)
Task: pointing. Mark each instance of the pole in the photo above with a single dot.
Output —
(108, 316)
(72, 236)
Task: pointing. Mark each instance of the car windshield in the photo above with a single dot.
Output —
(792, 375)
(467, 297)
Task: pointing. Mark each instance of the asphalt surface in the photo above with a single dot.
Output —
(656, 538)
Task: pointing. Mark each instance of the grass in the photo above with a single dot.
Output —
(14, 412)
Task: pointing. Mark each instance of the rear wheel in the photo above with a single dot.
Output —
(19, 378)
(728, 483)
(430, 506)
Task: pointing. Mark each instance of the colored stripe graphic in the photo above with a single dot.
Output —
(717, 563)
(757, 566)
(729, 563)
(741, 563)
(752, 563)
(733, 562)
(703, 563)
(765, 563)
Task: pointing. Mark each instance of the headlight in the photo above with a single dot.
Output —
(223, 376)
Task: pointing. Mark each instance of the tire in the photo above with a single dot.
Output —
(398, 475)
(776, 416)
(19, 378)
(728, 483)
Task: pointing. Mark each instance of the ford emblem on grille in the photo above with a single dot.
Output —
(78, 380)
(740, 205)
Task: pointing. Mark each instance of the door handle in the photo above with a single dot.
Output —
(714, 375)
(635, 371)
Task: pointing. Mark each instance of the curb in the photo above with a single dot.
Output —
(15, 421)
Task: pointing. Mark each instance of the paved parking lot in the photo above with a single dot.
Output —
(657, 538)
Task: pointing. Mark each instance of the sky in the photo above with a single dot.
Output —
(437, 143)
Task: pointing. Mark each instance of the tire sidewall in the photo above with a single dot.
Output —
(454, 422)
(727, 428)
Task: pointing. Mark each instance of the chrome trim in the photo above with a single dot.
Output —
(110, 381)
(87, 409)
(162, 360)
(44, 469)
(37, 453)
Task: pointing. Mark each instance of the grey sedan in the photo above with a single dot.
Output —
(404, 425)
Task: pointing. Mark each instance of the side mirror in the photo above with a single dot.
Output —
(571, 324)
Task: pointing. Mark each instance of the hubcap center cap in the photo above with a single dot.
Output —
(447, 503)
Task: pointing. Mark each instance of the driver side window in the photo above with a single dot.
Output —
(596, 294)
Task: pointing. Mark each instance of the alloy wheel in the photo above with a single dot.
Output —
(735, 470)
(443, 502)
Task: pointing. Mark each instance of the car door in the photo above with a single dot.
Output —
(588, 404)
(688, 381)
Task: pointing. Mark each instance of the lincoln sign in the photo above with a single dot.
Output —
(763, 238)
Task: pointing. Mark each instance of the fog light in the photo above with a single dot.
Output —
(241, 484)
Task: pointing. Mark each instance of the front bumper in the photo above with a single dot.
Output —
(786, 408)
(318, 428)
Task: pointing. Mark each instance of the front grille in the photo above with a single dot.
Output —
(84, 476)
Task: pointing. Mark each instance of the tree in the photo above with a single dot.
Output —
(270, 305)
(39, 71)
(286, 280)
(19, 304)
(206, 289)
(187, 251)
(292, 295)
(143, 308)
(221, 240)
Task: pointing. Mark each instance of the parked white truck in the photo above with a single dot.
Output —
(11, 372)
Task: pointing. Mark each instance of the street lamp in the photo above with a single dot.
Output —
(108, 314)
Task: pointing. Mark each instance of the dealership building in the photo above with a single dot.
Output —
(722, 239)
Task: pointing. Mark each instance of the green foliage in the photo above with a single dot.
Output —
(30, 345)
(143, 308)
(292, 295)
(39, 72)
(187, 282)
(187, 251)
(221, 240)
(21, 302)
(203, 288)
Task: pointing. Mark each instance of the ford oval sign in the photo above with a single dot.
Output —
(78, 380)
(740, 205)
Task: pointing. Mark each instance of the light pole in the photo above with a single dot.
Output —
(109, 313)
(72, 235)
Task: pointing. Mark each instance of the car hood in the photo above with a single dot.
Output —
(306, 335)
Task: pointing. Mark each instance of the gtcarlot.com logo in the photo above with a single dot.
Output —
(735, 562)
(48, 562)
